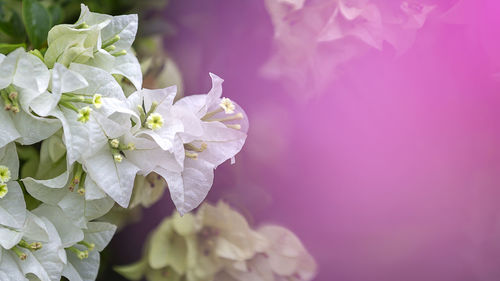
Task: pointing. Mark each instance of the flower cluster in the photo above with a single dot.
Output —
(218, 244)
(91, 141)
(313, 38)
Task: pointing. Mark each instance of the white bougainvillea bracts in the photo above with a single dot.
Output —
(73, 143)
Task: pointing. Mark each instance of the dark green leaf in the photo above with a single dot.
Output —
(37, 21)
(7, 48)
(10, 22)
(55, 12)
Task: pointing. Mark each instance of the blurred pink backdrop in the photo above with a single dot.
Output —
(391, 172)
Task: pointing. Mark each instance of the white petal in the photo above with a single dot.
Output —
(116, 179)
(97, 208)
(199, 104)
(73, 205)
(48, 191)
(82, 270)
(48, 262)
(8, 158)
(189, 188)
(92, 191)
(34, 129)
(13, 207)
(65, 80)
(124, 26)
(129, 67)
(35, 229)
(100, 233)
(9, 269)
(9, 237)
(69, 233)
(31, 73)
(9, 132)
(8, 67)
(79, 137)
(91, 18)
(223, 143)
(100, 82)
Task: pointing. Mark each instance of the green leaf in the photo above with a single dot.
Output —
(7, 48)
(37, 21)
(55, 12)
(133, 271)
(10, 22)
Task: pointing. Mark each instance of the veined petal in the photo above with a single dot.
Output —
(34, 129)
(100, 82)
(8, 67)
(69, 233)
(116, 179)
(31, 73)
(124, 26)
(13, 207)
(9, 158)
(100, 233)
(9, 238)
(128, 66)
(82, 269)
(9, 269)
(189, 188)
(9, 132)
(46, 263)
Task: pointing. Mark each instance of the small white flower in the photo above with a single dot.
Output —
(4, 174)
(84, 114)
(227, 105)
(155, 121)
(97, 101)
(118, 157)
(115, 143)
(3, 190)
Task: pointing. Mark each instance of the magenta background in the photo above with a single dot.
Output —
(391, 174)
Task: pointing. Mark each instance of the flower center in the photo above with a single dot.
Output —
(117, 149)
(69, 100)
(227, 105)
(84, 114)
(3, 190)
(154, 121)
(4, 174)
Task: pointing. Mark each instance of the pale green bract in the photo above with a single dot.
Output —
(85, 145)
(217, 243)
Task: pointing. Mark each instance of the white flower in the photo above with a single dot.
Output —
(82, 244)
(227, 105)
(206, 142)
(99, 40)
(84, 114)
(286, 255)
(154, 121)
(88, 142)
(308, 52)
(4, 174)
(24, 78)
(80, 207)
(34, 248)
(155, 131)
(97, 236)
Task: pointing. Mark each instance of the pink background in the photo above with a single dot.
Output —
(392, 173)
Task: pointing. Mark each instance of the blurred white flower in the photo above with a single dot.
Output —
(313, 38)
